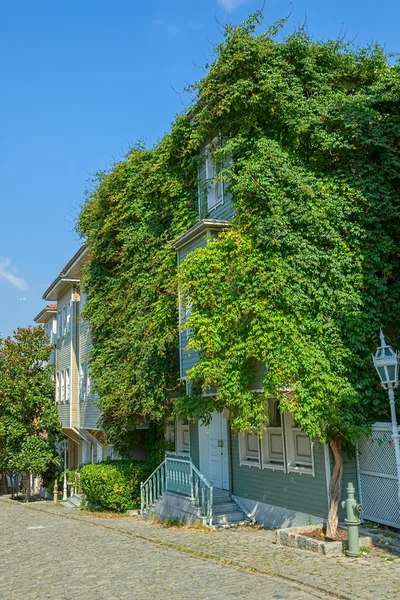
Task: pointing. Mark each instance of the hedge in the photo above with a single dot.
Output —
(114, 484)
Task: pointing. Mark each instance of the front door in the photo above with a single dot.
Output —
(219, 451)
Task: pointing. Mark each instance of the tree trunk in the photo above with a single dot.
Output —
(335, 488)
(4, 484)
(27, 486)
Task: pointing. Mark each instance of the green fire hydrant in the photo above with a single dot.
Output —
(353, 510)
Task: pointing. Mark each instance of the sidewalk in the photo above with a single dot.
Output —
(374, 577)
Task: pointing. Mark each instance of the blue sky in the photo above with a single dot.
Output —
(83, 80)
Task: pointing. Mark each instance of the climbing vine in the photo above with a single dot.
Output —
(308, 270)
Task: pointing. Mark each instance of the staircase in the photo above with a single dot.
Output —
(74, 501)
(225, 511)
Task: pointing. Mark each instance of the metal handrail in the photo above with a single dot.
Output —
(189, 483)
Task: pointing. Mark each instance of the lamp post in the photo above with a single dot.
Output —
(386, 362)
(65, 495)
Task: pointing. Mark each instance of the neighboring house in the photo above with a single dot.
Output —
(48, 318)
(70, 335)
(278, 478)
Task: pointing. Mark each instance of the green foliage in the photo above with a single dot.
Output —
(114, 484)
(306, 275)
(29, 424)
(310, 268)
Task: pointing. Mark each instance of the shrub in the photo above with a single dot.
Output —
(114, 484)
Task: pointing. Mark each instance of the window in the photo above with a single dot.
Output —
(281, 446)
(300, 456)
(249, 448)
(272, 440)
(214, 188)
(88, 381)
(67, 387)
(59, 325)
(68, 318)
(58, 388)
(182, 436)
(63, 319)
(82, 381)
(62, 386)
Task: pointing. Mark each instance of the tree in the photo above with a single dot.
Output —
(29, 423)
(309, 269)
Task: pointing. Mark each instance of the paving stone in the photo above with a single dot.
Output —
(143, 556)
(48, 556)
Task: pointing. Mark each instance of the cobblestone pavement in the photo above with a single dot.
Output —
(46, 556)
(80, 555)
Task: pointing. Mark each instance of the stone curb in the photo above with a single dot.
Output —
(292, 537)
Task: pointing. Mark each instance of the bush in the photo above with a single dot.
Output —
(114, 484)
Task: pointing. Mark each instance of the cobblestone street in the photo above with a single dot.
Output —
(49, 552)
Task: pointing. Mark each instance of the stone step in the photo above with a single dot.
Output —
(226, 507)
(74, 501)
(225, 520)
(221, 499)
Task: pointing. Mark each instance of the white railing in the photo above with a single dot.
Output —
(180, 476)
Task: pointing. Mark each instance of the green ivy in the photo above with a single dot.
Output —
(305, 276)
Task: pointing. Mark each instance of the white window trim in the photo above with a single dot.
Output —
(180, 430)
(266, 461)
(82, 382)
(68, 318)
(59, 324)
(67, 386)
(293, 466)
(244, 460)
(62, 387)
(289, 464)
(63, 320)
(209, 159)
(58, 387)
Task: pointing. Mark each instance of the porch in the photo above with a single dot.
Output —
(178, 490)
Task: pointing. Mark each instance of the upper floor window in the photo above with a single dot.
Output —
(68, 318)
(211, 188)
(67, 386)
(215, 194)
(58, 388)
(59, 324)
(83, 381)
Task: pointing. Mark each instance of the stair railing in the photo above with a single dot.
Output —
(152, 488)
(179, 476)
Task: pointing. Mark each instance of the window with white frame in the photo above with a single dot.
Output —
(213, 169)
(63, 319)
(182, 436)
(88, 381)
(58, 388)
(67, 386)
(59, 324)
(272, 439)
(249, 448)
(62, 386)
(82, 381)
(299, 447)
(281, 446)
(68, 318)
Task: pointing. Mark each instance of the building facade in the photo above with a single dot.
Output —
(278, 476)
(70, 334)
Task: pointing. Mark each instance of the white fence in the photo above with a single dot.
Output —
(376, 462)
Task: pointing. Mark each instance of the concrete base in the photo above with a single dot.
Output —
(269, 515)
(174, 506)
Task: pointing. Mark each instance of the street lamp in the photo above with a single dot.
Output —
(386, 362)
